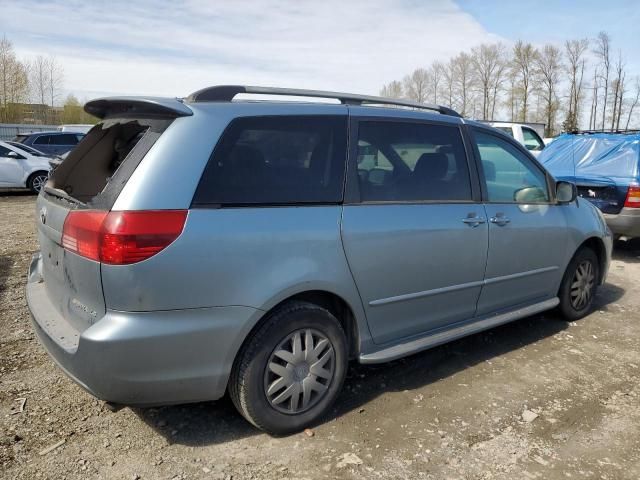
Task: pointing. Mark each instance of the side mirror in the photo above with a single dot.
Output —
(530, 195)
(15, 155)
(566, 192)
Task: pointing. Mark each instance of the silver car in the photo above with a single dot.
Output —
(194, 247)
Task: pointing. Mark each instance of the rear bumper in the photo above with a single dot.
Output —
(626, 223)
(144, 358)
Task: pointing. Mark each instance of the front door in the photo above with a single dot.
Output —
(415, 239)
(527, 230)
(11, 171)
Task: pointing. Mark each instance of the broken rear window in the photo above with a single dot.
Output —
(97, 169)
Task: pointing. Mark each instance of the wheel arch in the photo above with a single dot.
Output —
(330, 300)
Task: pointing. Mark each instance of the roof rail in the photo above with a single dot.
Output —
(226, 93)
(606, 130)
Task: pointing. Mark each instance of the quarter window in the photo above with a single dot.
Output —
(277, 160)
(510, 176)
(42, 140)
(411, 162)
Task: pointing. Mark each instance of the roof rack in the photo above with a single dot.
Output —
(607, 130)
(226, 93)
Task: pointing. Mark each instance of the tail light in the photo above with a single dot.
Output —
(121, 238)
(633, 197)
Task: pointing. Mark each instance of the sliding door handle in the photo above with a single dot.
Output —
(499, 220)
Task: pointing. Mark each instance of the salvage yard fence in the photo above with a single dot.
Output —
(8, 131)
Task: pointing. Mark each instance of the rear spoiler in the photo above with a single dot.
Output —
(137, 106)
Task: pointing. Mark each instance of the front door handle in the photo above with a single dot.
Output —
(499, 220)
(473, 221)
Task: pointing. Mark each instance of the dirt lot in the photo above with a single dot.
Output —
(452, 412)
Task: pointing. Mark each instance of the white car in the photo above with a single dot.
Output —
(20, 169)
(523, 134)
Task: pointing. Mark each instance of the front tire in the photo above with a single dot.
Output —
(291, 369)
(36, 181)
(579, 285)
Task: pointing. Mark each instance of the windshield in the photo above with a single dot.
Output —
(28, 149)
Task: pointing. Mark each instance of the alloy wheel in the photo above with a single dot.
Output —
(38, 182)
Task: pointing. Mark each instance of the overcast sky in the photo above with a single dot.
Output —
(173, 48)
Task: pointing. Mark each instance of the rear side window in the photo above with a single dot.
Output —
(65, 139)
(412, 162)
(42, 140)
(276, 160)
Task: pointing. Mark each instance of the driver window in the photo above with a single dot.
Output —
(509, 175)
(4, 152)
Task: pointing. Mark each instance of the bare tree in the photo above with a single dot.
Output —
(549, 67)
(40, 79)
(594, 101)
(617, 87)
(54, 77)
(603, 42)
(524, 56)
(392, 90)
(416, 85)
(13, 75)
(634, 103)
(436, 72)
(574, 52)
(463, 79)
(448, 74)
(489, 66)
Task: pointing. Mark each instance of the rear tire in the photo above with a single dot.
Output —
(579, 284)
(291, 369)
(36, 181)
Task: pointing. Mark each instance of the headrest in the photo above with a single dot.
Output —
(432, 165)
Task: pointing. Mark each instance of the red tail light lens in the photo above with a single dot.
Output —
(633, 197)
(121, 238)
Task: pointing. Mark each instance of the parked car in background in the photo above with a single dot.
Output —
(605, 166)
(288, 239)
(78, 128)
(22, 169)
(524, 134)
(51, 143)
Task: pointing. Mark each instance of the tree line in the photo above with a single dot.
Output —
(31, 90)
(561, 86)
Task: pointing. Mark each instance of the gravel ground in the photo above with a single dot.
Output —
(539, 398)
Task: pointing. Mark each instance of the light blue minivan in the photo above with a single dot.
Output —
(217, 243)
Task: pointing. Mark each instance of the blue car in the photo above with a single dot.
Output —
(606, 169)
(51, 143)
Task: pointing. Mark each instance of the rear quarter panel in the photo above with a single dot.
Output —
(253, 257)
